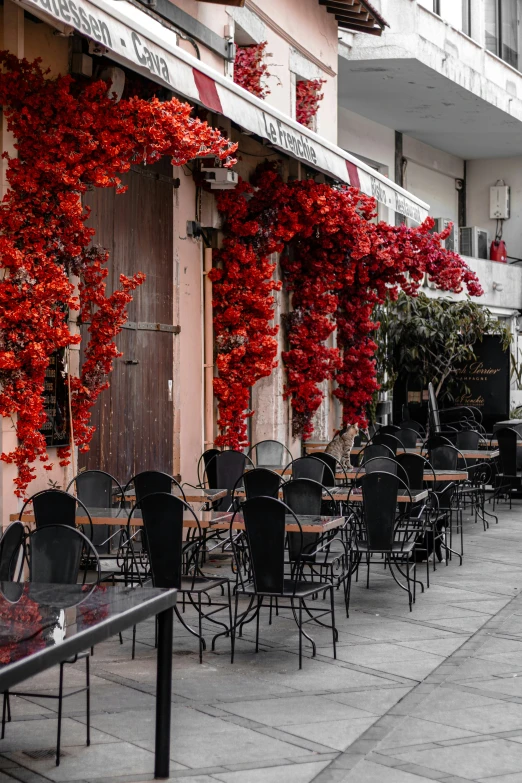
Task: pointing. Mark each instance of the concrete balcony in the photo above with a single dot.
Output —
(502, 284)
(430, 81)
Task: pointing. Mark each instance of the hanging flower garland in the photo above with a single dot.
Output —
(339, 265)
(250, 70)
(70, 136)
(307, 97)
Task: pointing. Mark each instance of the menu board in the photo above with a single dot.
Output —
(487, 380)
(56, 427)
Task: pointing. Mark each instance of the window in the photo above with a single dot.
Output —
(466, 17)
(502, 29)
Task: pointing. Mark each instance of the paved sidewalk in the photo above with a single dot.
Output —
(435, 694)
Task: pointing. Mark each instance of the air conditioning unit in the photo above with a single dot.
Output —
(451, 243)
(474, 242)
(220, 178)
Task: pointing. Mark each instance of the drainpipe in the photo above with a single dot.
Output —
(208, 350)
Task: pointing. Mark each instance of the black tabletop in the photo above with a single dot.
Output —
(43, 624)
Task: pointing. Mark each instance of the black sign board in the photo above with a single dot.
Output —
(56, 427)
(487, 379)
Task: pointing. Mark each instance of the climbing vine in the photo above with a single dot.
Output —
(70, 136)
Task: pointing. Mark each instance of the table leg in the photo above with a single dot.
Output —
(163, 694)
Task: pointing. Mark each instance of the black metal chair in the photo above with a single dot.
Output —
(56, 507)
(383, 531)
(148, 482)
(509, 477)
(174, 563)
(11, 548)
(270, 454)
(306, 467)
(265, 520)
(332, 468)
(433, 442)
(260, 482)
(203, 462)
(448, 457)
(411, 424)
(55, 554)
(375, 450)
(222, 472)
(407, 437)
(425, 512)
(326, 555)
(99, 489)
(388, 439)
(383, 464)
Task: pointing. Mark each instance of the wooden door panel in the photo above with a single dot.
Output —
(134, 417)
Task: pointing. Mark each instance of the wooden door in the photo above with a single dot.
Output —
(134, 418)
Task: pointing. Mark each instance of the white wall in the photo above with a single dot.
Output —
(481, 174)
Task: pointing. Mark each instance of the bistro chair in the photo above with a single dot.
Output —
(225, 468)
(56, 507)
(269, 454)
(375, 450)
(174, 563)
(425, 511)
(11, 547)
(388, 439)
(411, 424)
(385, 532)
(306, 467)
(203, 468)
(326, 555)
(332, 469)
(265, 520)
(407, 437)
(98, 489)
(55, 554)
(383, 464)
(259, 482)
(448, 457)
(509, 477)
(149, 482)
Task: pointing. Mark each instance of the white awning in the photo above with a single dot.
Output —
(139, 41)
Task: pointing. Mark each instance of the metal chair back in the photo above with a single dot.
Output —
(507, 438)
(11, 546)
(223, 471)
(375, 450)
(468, 439)
(149, 482)
(55, 555)
(388, 439)
(96, 489)
(261, 482)
(270, 453)
(380, 490)
(162, 515)
(407, 437)
(307, 467)
(330, 469)
(209, 470)
(265, 532)
(56, 507)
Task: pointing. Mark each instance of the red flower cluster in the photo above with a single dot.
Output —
(338, 266)
(22, 627)
(250, 69)
(307, 96)
(70, 136)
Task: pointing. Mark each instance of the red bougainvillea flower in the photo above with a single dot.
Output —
(307, 97)
(250, 70)
(70, 136)
(337, 265)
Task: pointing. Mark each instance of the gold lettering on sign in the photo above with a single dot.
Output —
(468, 399)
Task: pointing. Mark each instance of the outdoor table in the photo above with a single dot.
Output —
(417, 495)
(119, 516)
(310, 523)
(192, 494)
(440, 475)
(65, 620)
(338, 493)
(482, 454)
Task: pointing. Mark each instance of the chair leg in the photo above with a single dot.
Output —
(334, 631)
(133, 642)
(300, 634)
(88, 698)
(200, 629)
(4, 712)
(60, 705)
(259, 604)
(233, 630)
